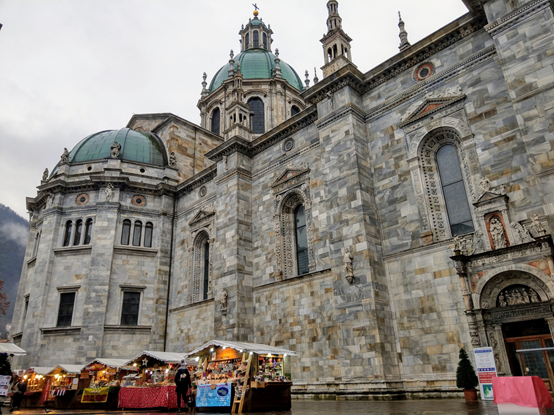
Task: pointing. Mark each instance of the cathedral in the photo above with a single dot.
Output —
(373, 222)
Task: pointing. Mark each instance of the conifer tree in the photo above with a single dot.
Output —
(465, 375)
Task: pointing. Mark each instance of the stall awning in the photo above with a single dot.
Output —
(42, 370)
(166, 357)
(117, 363)
(73, 369)
(12, 349)
(245, 347)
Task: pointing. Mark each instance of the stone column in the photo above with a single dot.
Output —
(496, 341)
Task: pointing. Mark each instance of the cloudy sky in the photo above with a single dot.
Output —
(70, 68)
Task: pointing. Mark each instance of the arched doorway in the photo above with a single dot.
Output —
(517, 316)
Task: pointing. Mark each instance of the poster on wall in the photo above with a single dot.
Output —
(4, 385)
(213, 395)
(486, 370)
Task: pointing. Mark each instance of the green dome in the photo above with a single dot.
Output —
(257, 64)
(144, 148)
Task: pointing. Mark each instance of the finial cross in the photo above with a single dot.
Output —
(255, 6)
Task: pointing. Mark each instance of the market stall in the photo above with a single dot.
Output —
(61, 386)
(241, 376)
(100, 382)
(152, 386)
(36, 380)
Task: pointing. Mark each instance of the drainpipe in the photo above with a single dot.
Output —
(170, 269)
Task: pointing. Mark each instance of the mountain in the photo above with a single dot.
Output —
(14, 233)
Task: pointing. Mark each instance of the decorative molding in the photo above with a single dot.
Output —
(515, 17)
(60, 331)
(68, 288)
(199, 179)
(295, 280)
(193, 305)
(203, 217)
(132, 287)
(135, 250)
(344, 111)
(502, 315)
(128, 329)
(73, 250)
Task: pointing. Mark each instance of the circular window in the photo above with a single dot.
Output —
(142, 170)
(424, 71)
(139, 200)
(203, 191)
(288, 145)
(82, 199)
(89, 168)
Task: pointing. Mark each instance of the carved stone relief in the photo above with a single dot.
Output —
(513, 288)
(517, 295)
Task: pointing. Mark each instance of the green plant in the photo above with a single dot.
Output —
(5, 367)
(465, 375)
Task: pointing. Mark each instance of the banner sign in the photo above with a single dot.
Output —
(486, 370)
(46, 390)
(95, 395)
(218, 396)
(4, 385)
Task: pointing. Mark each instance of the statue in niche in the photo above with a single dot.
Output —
(223, 300)
(484, 185)
(525, 296)
(534, 297)
(115, 149)
(45, 175)
(477, 244)
(64, 157)
(502, 301)
(109, 192)
(172, 159)
(522, 233)
(537, 225)
(347, 259)
(497, 234)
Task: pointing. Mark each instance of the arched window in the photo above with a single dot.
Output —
(137, 231)
(67, 233)
(294, 110)
(256, 105)
(216, 121)
(78, 231)
(126, 232)
(148, 234)
(454, 191)
(256, 39)
(247, 41)
(265, 41)
(37, 243)
(206, 266)
(441, 192)
(301, 240)
(88, 231)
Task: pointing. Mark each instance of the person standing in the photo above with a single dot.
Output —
(19, 390)
(183, 384)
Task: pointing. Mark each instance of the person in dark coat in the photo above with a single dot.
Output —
(183, 384)
(19, 392)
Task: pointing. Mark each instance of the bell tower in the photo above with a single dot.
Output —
(336, 43)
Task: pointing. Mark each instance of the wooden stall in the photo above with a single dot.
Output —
(242, 377)
(61, 386)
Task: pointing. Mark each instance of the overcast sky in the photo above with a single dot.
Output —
(70, 68)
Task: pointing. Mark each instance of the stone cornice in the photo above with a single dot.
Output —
(60, 331)
(73, 250)
(135, 250)
(348, 75)
(515, 17)
(208, 302)
(205, 176)
(128, 329)
(348, 109)
(233, 145)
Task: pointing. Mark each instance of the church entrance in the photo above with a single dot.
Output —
(530, 335)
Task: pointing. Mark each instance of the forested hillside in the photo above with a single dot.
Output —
(14, 232)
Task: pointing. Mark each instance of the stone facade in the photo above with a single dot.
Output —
(391, 289)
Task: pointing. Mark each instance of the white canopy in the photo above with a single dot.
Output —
(117, 363)
(42, 370)
(12, 349)
(73, 369)
(166, 357)
(245, 347)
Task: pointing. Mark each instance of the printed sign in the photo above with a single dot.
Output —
(4, 385)
(218, 396)
(486, 370)
(95, 395)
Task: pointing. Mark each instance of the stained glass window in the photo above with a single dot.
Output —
(454, 191)
(301, 240)
(256, 105)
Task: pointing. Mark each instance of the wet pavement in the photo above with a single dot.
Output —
(407, 407)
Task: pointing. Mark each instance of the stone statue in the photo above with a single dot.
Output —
(477, 244)
(172, 159)
(537, 225)
(348, 258)
(534, 297)
(223, 300)
(497, 234)
(518, 297)
(502, 301)
(210, 289)
(64, 157)
(45, 175)
(458, 241)
(502, 189)
(525, 296)
(109, 192)
(521, 233)
(330, 98)
(50, 200)
(484, 185)
(115, 149)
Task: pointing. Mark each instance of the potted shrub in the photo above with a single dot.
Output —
(466, 378)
